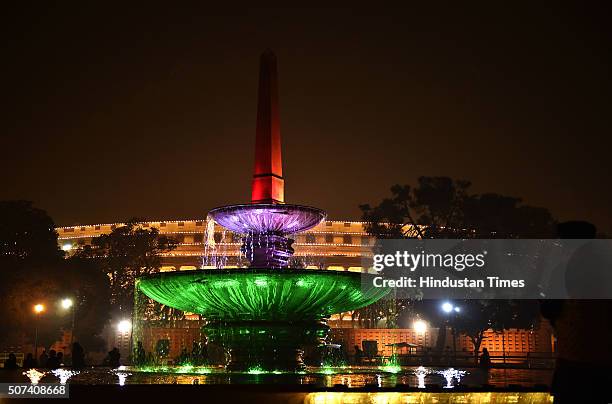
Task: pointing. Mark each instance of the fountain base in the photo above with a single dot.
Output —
(266, 346)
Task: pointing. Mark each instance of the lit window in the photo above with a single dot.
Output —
(162, 224)
(181, 224)
(329, 238)
(199, 223)
(347, 239)
(311, 239)
(328, 223)
(347, 224)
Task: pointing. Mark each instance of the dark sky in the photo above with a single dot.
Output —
(149, 111)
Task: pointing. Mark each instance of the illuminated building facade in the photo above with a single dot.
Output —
(333, 245)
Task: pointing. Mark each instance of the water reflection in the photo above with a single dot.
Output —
(64, 374)
(34, 375)
(450, 374)
(420, 374)
(351, 377)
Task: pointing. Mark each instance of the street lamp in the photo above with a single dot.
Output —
(448, 308)
(419, 326)
(67, 304)
(124, 326)
(38, 308)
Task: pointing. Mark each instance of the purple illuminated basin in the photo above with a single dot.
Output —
(267, 218)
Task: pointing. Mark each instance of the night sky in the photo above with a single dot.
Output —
(149, 111)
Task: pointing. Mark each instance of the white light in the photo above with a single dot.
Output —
(447, 307)
(420, 326)
(124, 326)
(67, 247)
(66, 303)
(457, 309)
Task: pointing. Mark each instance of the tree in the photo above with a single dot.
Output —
(479, 316)
(90, 290)
(440, 207)
(29, 256)
(128, 252)
(27, 234)
(32, 270)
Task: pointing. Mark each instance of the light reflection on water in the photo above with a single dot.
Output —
(349, 377)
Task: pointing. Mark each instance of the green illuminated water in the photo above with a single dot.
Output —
(261, 294)
(264, 318)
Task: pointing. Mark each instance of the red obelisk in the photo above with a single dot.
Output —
(268, 184)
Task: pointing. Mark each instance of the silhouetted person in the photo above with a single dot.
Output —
(183, 357)
(114, 358)
(29, 362)
(53, 362)
(60, 358)
(11, 362)
(358, 355)
(583, 327)
(139, 354)
(485, 359)
(78, 356)
(42, 360)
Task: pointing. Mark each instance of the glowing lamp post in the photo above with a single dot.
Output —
(420, 326)
(38, 309)
(68, 304)
(124, 326)
(124, 337)
(448, 308)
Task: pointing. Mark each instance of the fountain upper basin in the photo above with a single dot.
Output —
(265, 218)
(262, 293)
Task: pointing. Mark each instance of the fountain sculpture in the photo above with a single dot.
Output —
(264, 315)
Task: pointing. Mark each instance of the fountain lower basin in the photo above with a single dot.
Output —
(261, 293)
(264, 317)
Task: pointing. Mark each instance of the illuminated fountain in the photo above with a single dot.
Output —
(420, 373)
(34, 375)
(121, 374)
(64, 374)
(266, 314)
(450, 374)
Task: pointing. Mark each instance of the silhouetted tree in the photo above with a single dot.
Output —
(478, 316)
(32, 270)
(126, 253)
(440, 207)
